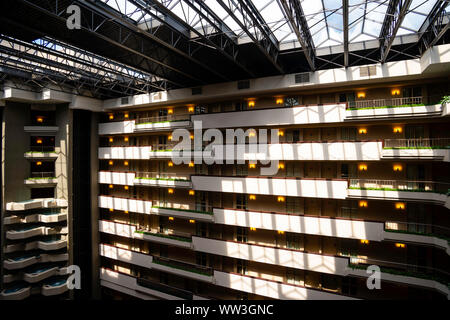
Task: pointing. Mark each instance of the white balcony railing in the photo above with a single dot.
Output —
(400, 185)
(393, 102)
(417, 143)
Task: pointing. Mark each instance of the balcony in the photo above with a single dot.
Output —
(33, 231)
(272, 255)
(125, 204)
(18, 292)
(125, 255)
(40, 273)
(422, 148)
(162, 122)
(46, 217)
(27, 260)
(309, 188)
(47, 245)
(327, 113)
(171, 237)
(161, 290)
(125, 178)
(391, 108)
(54, 287)
(434, 235)
(184, 269)
(273, 289)
(42, 178)
(305, 151)
(162, 179)
(41, 152)
(400, 189)
(125, 153)
(329, 227)
(165, 210)
(426, 277)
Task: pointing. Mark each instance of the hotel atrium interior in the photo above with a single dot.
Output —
(225, 150)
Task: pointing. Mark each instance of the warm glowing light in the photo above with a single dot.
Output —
(191, 192)
(40, 119)
(191, 221)
(364, 241)
(280, 232)
(170, 191)
(39, 141)
(400, 205)
(252, 229)
(111, 162)
(398, 129)
(111, 209)
(395, 92)
(279, 101)
(125, 163)
(252, 165)
(252, 197)
(125, 139)
(126, 115)
(190, 109)
(191, 164)
(111, 139)
(281, 166)
(252, 134)
(361, 95)
(111, 186)
(362, 167)
(169, 137)
(126, 211)
(39, 163)
(397, 167)
(191, 136)
(363, 204)
(251, 104)
(171, 218)
(111, 116)
(125, 187)
(170, 164)
(169, 111)
(280, 133)
(400, 245)
(362, 130)
(280, 199)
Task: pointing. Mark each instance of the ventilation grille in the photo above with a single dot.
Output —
(302, 77)
(124, 100)
(196, 91)
(367, 71)
(243, 84)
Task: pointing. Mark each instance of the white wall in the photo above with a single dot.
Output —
(112, 177)
(331, 189)
(276, 256)
(130, 153)
(124, 204)
(118, 229)
(124, 255)
(300, 224)
(272, 289)
(118, 127)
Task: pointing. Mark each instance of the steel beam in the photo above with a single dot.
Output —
(435, 25)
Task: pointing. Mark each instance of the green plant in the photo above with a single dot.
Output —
(445, 99)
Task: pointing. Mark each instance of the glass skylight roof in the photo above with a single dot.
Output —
(324, 17)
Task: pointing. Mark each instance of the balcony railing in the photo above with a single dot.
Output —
(399, 185)
(418, 228)
(42, 175)
(168, 118)
(174, 206)
(161, 176)
(169, 234)
(382, 103)
(163, 147)
(42, 149)
(207, 271)
(404, 269)
(184, 294)
(437, 143)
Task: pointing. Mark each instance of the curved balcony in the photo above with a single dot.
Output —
(18, 292)
(41, 273)
(430, 191)
(54, 287)
(47, 217)
(28, 260)
(33, 231)
(46, 245)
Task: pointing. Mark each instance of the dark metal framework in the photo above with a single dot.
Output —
(138, 46)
